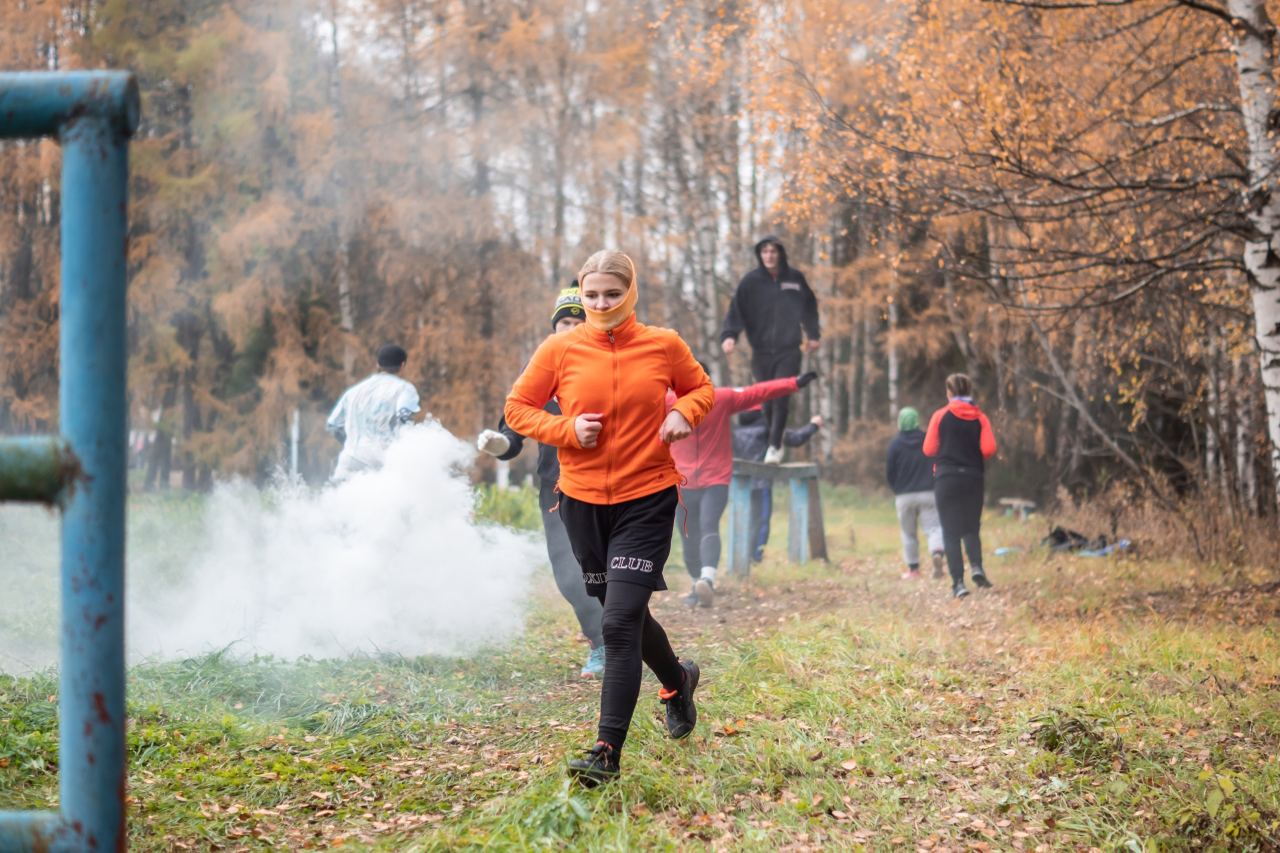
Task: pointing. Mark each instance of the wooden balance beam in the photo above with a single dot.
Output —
(806, 535)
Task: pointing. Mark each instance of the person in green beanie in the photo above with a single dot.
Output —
(910, 475)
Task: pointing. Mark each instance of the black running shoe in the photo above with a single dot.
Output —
(980, 580)
(691, 600)
(600, 766)
(681, 713)
(959, 590)
(938, 563)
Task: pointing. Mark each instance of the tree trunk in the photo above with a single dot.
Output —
(1254, 36)
(868, 361)
(560, 203)
(346, 315)
(828, 403)
(958, 329)
(1242, 401)
(1213, 413)
(996, 275)
(891, 343)
(160, 453)
(997, 357)
(1069, 444)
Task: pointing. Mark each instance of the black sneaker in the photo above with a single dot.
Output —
(681, 713)
(600, 766)
(980, 580)
(938, 562)
(691, 600)
(959, 590)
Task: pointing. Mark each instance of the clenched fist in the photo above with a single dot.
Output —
(588, 427)
(674, 428)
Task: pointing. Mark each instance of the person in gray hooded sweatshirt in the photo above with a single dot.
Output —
(910, 475)
(773, 305)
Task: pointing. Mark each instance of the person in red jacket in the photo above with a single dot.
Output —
(960, 439)
(706, 462)
(618, 484)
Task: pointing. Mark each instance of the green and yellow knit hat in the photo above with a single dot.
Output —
(568, 304)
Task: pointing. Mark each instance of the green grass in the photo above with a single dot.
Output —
(1117, 704)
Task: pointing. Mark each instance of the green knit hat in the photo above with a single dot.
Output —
(908, 419)
(568, 304)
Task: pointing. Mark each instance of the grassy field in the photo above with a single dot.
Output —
(1082, 703)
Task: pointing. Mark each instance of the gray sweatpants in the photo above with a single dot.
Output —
(920, 506)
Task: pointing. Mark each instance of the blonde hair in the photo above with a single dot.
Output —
(959, 385)
(616, 264)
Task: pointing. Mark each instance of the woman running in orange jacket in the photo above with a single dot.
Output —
(618, 483)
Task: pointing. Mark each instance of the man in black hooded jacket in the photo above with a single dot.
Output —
(773, 305)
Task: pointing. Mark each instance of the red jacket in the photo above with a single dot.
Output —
(706, 457)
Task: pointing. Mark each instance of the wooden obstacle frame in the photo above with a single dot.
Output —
(806, 533)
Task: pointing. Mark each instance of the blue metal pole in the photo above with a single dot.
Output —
(91, 758)
(740, 525)
(93, 114)
(31, 831)
(38, 103)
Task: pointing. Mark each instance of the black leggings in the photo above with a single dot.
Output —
(631, 635)
(699, 524)
(959, 500)
(775, 365)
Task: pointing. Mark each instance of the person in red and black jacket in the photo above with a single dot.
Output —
(960, 439)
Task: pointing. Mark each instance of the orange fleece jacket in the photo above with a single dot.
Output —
(625, 374)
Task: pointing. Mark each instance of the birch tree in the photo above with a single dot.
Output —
(1254, 36)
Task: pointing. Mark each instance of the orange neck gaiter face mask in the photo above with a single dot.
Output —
(611, 319)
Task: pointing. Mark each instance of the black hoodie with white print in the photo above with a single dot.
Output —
(772, 311)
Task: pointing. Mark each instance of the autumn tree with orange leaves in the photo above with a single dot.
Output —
(1070, 201)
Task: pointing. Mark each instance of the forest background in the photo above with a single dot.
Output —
(1073, 202)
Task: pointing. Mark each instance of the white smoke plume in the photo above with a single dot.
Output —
(389, 561)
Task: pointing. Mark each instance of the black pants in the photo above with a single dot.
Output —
(567, 572)
(699, 524)
(959, 498)
(766, 364)
(623, 549)
(631, 636)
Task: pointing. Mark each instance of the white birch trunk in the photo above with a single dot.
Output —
(346, 317)
(1254, 37)
(1212, 452)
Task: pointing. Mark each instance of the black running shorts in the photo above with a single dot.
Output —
(627, 542)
